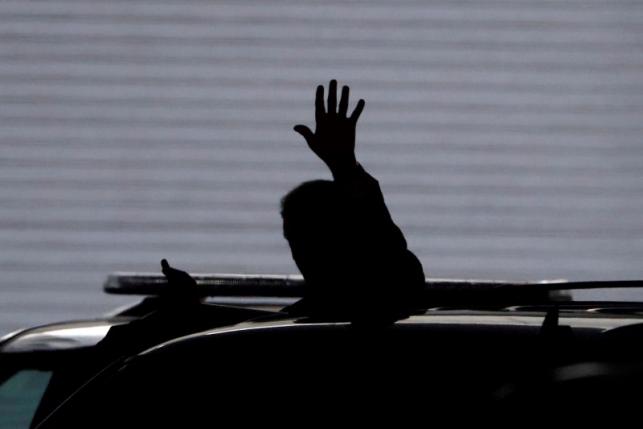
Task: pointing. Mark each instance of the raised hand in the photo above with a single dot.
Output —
(182, 288)
(334, 138)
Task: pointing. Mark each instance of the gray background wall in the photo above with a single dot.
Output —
(506, 135)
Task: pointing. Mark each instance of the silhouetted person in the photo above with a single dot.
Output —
(353, 257)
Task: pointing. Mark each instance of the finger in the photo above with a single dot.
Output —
(164, 265)
(358, 110)
(332, 97)
(319, 104)
(343, 102)
(305, 132)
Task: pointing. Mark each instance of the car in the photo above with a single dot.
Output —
(473, 351)
(42, 366)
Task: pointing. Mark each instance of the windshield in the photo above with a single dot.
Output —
(505, 136)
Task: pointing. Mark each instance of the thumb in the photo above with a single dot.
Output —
(165, 266)
(305, 132)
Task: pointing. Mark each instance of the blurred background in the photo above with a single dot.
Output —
(506, 135)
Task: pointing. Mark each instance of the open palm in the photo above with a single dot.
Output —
(334, 138)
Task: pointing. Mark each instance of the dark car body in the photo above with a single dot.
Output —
(478, 362)
(459, 365)
(40, 367)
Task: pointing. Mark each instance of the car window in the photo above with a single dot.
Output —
(20, 395)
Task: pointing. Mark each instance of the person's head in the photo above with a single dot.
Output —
(343, 256)
(320, 232)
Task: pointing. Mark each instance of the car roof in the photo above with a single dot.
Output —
(443, 348)
(510, 319)
(146, 323)
(59, 336)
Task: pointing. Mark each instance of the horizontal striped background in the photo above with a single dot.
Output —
(506, 135)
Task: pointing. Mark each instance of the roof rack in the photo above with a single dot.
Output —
(437, 291)
(210, 285)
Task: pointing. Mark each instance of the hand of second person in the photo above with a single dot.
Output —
(182, 288)
(334, 138)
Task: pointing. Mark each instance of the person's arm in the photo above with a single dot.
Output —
(334, 143)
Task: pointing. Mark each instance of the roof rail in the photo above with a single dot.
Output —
(437, 292)
(269, 285)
